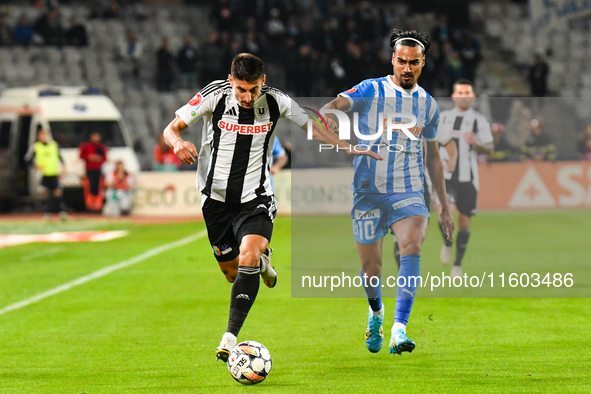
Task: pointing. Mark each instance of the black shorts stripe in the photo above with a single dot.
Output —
(240, 158)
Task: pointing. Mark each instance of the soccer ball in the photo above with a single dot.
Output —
(249, 362)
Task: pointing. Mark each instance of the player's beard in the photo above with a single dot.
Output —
(407, 84)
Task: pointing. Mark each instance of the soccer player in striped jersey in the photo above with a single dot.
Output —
(233, 175)
(468, 133)
(388, 194)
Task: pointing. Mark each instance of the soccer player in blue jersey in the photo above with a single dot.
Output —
(388, 194)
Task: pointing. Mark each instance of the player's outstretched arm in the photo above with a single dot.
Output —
(436, 174)
(330, 136)
(184, 150)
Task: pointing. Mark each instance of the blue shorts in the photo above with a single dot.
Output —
(374, 213)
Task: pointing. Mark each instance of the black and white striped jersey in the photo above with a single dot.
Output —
(235, 155)
(452, 125)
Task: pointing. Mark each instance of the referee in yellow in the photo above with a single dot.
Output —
(46, 155)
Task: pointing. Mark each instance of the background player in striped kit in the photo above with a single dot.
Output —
(233, 174)
(388, 195)
(469, 132)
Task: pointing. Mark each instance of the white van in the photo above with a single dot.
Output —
(70, 114)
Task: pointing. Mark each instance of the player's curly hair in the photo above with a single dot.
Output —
(398, 37)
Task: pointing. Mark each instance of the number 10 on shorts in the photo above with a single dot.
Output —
(364, 230)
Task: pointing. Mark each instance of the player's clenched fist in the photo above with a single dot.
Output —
(185, 151)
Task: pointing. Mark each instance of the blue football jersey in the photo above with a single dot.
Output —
(401, 171)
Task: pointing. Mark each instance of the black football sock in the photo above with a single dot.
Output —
(447, 242)
(461, 243)
(244, 292)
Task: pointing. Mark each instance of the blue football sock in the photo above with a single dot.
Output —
(374, 294)
(410, 266)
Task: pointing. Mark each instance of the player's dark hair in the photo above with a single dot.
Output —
(462, 82)
(398, 36)
(247, 67)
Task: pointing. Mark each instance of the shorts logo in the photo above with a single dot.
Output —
(196, 100)
(408, 201)
(221, 250)
(371, 214)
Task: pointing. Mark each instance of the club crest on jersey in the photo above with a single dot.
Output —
(261, 112)
(244, 128)
(196, 100)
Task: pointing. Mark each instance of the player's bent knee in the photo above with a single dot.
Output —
(371, 268)
(250, 258)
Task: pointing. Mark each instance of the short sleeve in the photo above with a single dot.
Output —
(484, 134)
(443, 131)
(430, 130)
(290, 109)
(360, 96)
(200, 105)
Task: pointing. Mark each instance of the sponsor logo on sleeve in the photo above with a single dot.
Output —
(352, 90)
(196, 100)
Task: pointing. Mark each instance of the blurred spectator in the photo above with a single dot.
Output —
(5, 31)
(455, 68)
(584, 144)
(164, 157)
(440, 32)
(94, 153)
(118, 196)
(49, 28)
(223, 16)
(538, 76)
(76, 34)
(164, 67)
(251, 44)
(113, 11)
(130, 51)
(469, 54)
(538, 146)
(502, 149)
(23, 32)
(187, 58)
(212, 69)
(305, 72)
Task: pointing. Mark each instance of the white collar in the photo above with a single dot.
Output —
(390, 79)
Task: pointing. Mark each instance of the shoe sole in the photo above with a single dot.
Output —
(405, 347)
(222, 354)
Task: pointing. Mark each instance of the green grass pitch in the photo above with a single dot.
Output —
(153, 327)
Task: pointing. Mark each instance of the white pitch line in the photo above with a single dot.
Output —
(103, 271)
